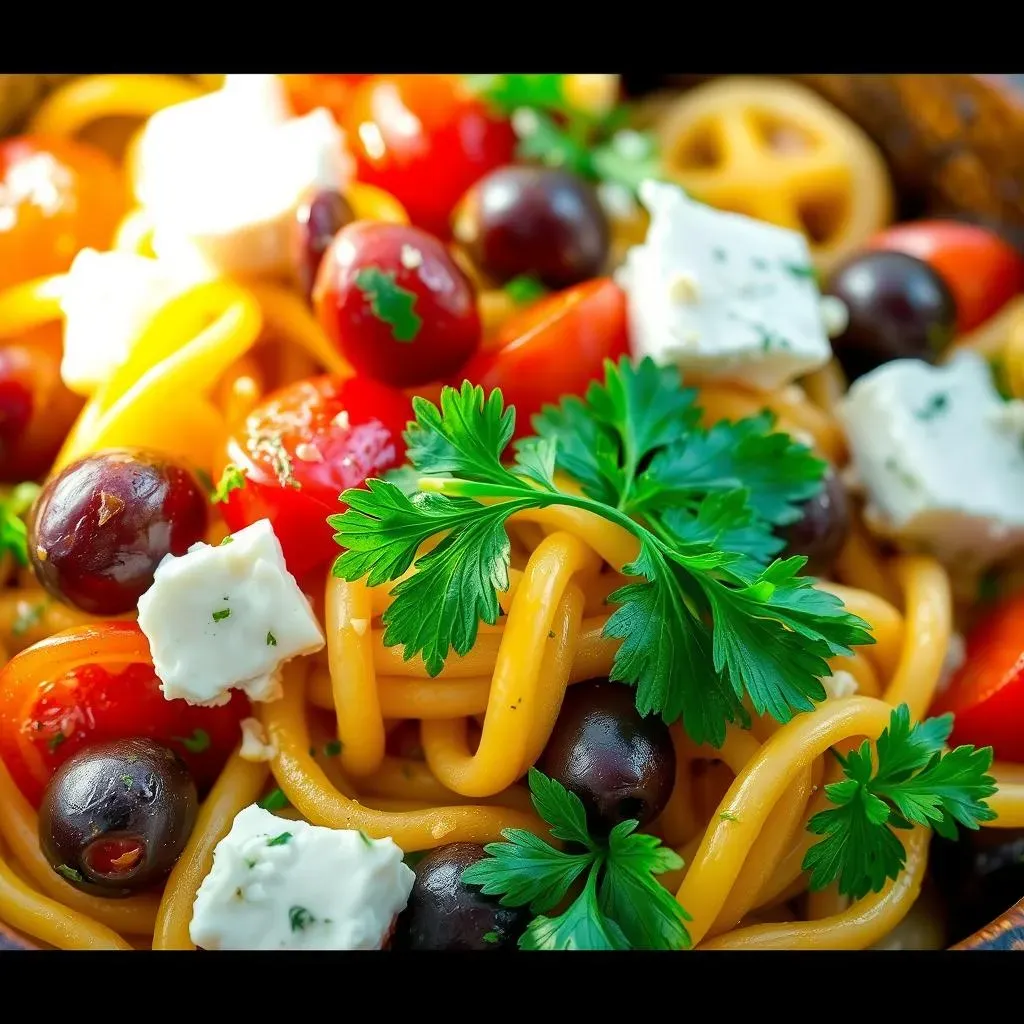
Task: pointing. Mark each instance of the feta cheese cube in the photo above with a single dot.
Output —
(839, 685)
(227, 617)
(107, 300)
(221, 177)
(255, 746)
(750, 309)
(941, 471)
(279, 884)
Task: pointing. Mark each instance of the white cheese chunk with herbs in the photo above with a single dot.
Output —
(227, 617)
(221, 177)
(721, 294)
(107, 299)
(280, 884)
(941, 472)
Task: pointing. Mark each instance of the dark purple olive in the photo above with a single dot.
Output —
(821, 530)
(116, 816)
(445, 913)
(980, 875)
(899, 308)
(319, 217)
(619, 764)
(539, 221)
(102, 525)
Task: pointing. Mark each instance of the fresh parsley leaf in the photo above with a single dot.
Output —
(275, 800)
(491, 937)
(621, 905)
(13, 532)
(628, 159)
(542, 139)
(70, 873)
(196, 743)
(232, 479)
(525, 289)
(221, 614)
(507, 93)
(391, 303)
(914, 783)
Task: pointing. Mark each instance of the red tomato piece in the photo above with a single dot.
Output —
(986, 695)
(396, 304)
(56, 196)
(554, 348)
(302, 447)
(425, 139)
(51, 708)
(982, 271)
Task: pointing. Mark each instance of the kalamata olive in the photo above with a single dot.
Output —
(102, 525)
(116, 816)
(981, 875)
(319, 217)
(899, 308)
(619, 764)
(821, 530)
(445, 913)
(533, 220)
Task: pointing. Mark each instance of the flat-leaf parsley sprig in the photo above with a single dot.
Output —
(914, 783)
(621, 905)
(703, 624)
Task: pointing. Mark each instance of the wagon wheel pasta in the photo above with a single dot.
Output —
(437, 691)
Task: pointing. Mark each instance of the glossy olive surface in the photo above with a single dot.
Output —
(445, 913)
(102, 525)
(620, 765)
(822, 528)
(899, 308)
(116, 816)
(317, 220)
(539, 221)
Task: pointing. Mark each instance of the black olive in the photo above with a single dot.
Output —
(445, 913)
(620, 764)
(822, 528)
(116, 816)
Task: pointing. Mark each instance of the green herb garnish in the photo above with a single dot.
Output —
(227, 540)
(271, 639)
(13, 532)
(275, 800)
(621, 906)
(70, 873)
(333, 748)
(300, 919)
(914, 783)
(524, 289)
(391, 304)
(196, 743)
(232, 479)
(127, 780)
(55, 741)
(491, 937)
(704, 624)
(935, 406)
(281, 840)
(221, 614)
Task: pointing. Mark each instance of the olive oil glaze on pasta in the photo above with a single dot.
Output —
(770, 779)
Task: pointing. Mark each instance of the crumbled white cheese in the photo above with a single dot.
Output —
(754, 314)
(107, 299)
(940, 475)
(222, 176)
(255, 746)
(840, 684)
(227, 617)
(280, 884)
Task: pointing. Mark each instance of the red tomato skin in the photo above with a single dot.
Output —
(982, 271)
(44, 722)
(554, 348)
(986, 695)
(449, 331)
(425, 139)
(355, 426)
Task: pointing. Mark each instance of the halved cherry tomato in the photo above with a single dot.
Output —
(96, 683)
(302, 447)
(335, 92)
(56, 196)
(553, 348)
(986, 695)
(425, 139)
(395, 303)
(36, 409)
(982, 271)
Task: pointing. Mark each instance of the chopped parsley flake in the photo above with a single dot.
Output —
(55, 741)
(275, 800)
(935, 406)
(196, 743)
(70, 873)
(281, 840)
(232, 479)
(300, 918)
(391, 304)
(491, 937)
(127, 780)
(728, 816)
(365, 838)
(271, 639)
(524, 289)
(227, 540)
(803, 271)
(223, 613)
(271, 447)
(332, 749)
